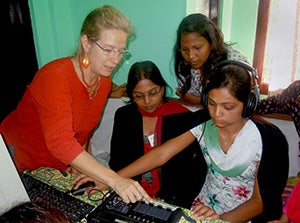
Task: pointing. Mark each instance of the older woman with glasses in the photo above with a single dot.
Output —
(61, 107)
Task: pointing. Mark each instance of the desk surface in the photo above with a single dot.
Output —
(62, 181)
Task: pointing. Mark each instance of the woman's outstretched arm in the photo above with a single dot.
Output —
(158, 155)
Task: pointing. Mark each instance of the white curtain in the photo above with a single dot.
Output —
(282, 53)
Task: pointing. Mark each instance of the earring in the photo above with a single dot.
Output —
(85, 62)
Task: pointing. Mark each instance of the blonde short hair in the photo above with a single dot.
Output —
(103, 18)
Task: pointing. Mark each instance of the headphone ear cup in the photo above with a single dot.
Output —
(250, 105)
(204, 98)
(253, 97)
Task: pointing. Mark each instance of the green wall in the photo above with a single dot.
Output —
(56, 26)
(238, 24)
(57, 23)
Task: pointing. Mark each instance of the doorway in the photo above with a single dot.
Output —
(19, 64)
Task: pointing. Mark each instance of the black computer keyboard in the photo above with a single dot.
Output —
(114, 209)
(46, 195)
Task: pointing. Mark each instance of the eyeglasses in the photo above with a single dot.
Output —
(111, 52)
(141, 96)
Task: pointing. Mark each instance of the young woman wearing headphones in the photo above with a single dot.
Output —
(247, 158)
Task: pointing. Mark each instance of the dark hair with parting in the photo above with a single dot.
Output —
(239, 78)
(144, 70)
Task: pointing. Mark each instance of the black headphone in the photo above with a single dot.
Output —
(253, 98)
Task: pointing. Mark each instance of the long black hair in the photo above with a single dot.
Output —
(204, 27)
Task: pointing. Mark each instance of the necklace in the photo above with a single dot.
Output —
(227, 139)
(93, 93)
(95, 85)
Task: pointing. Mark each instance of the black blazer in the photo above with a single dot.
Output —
(182, 176)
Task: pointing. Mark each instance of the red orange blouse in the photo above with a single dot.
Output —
(54, 118)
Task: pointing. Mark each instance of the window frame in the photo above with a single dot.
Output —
(260, 42)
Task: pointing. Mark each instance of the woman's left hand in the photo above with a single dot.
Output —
(82, 178)
(203, 212)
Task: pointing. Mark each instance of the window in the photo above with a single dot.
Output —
(277, 46)
(210, 8)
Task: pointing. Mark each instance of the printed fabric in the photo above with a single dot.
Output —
(231, 176)
(285, 103)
